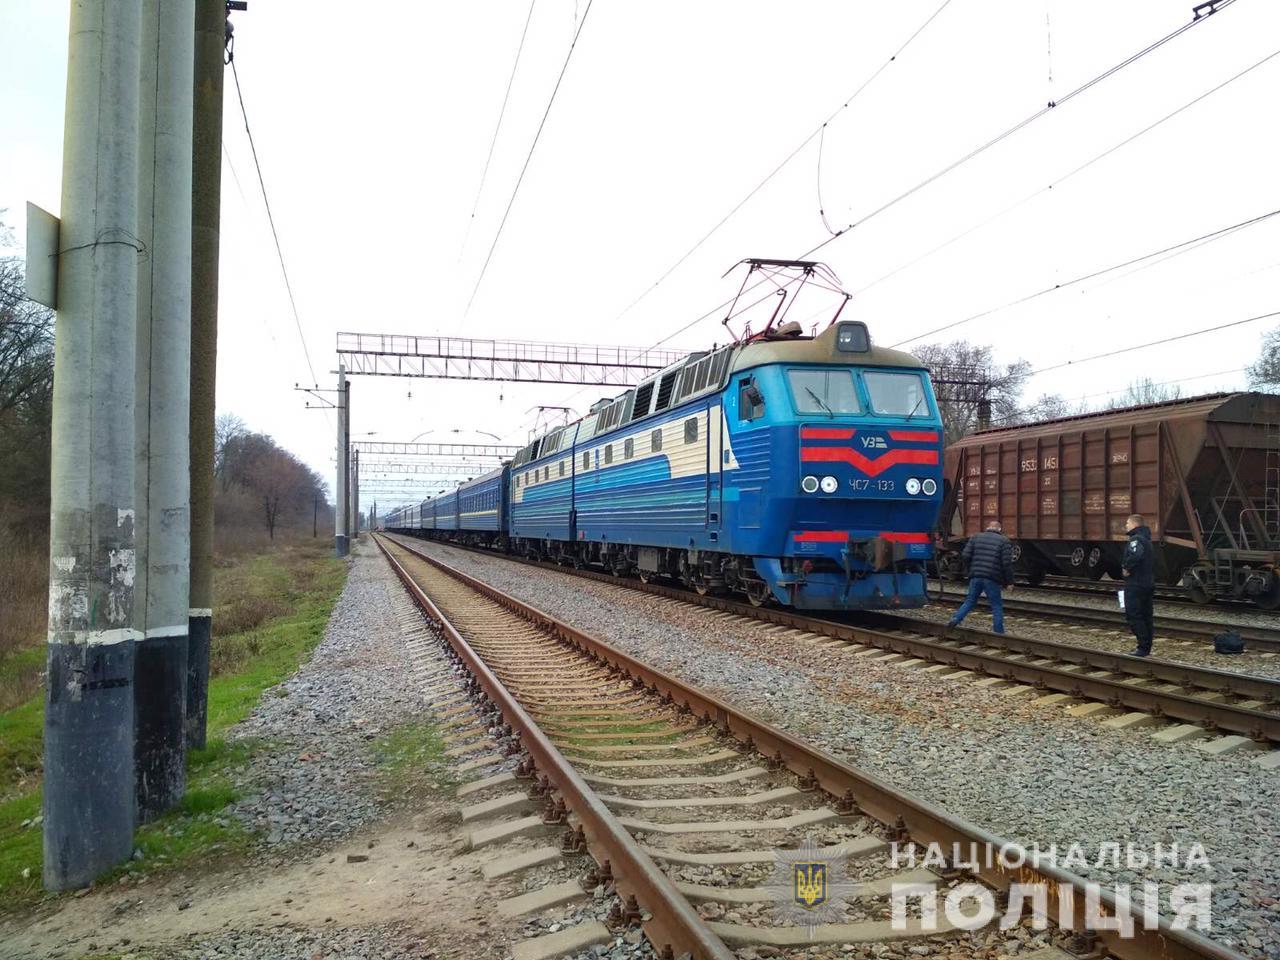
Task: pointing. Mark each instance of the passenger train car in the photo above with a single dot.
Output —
(800, 470)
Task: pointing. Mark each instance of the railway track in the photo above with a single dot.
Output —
(1257, 638)
(1179, 595)
(672, 792)
(1245, 709)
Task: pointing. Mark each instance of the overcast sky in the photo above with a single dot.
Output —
(373, 121)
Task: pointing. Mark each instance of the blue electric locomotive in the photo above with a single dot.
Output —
(802, 470)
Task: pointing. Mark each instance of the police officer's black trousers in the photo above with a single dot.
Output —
(1139, 610)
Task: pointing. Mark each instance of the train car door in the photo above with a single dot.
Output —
(715, 485)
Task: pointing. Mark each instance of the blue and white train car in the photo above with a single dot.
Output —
(802, 469)
(482, 509)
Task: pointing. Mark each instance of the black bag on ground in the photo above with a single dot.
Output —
(1228, 642)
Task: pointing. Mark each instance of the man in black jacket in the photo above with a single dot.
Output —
(989, 557)
(1139, 584)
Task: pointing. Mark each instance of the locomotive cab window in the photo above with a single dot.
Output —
(628, 449)
(896, 394)
(608, 453)
(586, 459)
(826, 392)
(750, 400)
(691, 430)
(655, 440)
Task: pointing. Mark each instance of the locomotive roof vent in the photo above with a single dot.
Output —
(853, 337)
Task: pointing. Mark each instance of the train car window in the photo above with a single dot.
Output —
(628, 449)
(691, 430)
(562, 468)
(827, 392)
(655, 440)
(896, 394)
(750, 400)
(608, 453)
(586, 459)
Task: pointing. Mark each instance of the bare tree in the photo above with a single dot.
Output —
(228, 429)
(1143, 391)
(259, 477)
(973, 389)
(26, 395)
(1265, 373)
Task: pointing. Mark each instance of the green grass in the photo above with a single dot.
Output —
(411, 759)
(244, 664)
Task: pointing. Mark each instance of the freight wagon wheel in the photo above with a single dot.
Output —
(1195, 579)
(1270, 600)
(1097, 570)
(1198, 593)
(644, 575)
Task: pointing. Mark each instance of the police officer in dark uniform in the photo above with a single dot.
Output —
(1139, 584)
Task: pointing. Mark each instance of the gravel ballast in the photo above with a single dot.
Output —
(315, 780)
(1025, 772)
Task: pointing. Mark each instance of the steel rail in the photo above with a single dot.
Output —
(674, 922)
(1249, 686)
(1176, 628)
(1118, 693)
(912, 817)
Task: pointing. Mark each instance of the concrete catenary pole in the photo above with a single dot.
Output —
(355, 493)
(340, 536)
(163, 412)
(206, 194)
(88, 736)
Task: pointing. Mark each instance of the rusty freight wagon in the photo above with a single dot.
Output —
(1204, 472)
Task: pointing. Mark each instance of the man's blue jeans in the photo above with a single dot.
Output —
(977, 587)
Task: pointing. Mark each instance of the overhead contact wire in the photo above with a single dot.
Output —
(816, 132)
(502, 112)
(532, 147)
(1067, 176)
(1202, 239)
(1156, 343)
(284, 272)
(1026, 121)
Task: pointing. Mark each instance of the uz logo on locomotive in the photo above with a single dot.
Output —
(875, 443)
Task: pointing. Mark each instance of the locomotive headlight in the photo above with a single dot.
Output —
(930, 487)
(809, 484)
(830, 484)
(913, 486)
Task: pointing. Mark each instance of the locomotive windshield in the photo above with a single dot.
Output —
(896, 394)
(824, 391)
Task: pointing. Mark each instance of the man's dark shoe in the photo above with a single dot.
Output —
(1137, 652)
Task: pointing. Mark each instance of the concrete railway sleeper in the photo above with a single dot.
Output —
(1244, 709)
(694, 792)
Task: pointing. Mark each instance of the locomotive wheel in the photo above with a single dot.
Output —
(757, 593)
(1198, 593)
(645, 576)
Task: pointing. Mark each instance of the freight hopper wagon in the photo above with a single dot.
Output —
(1204, 472)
